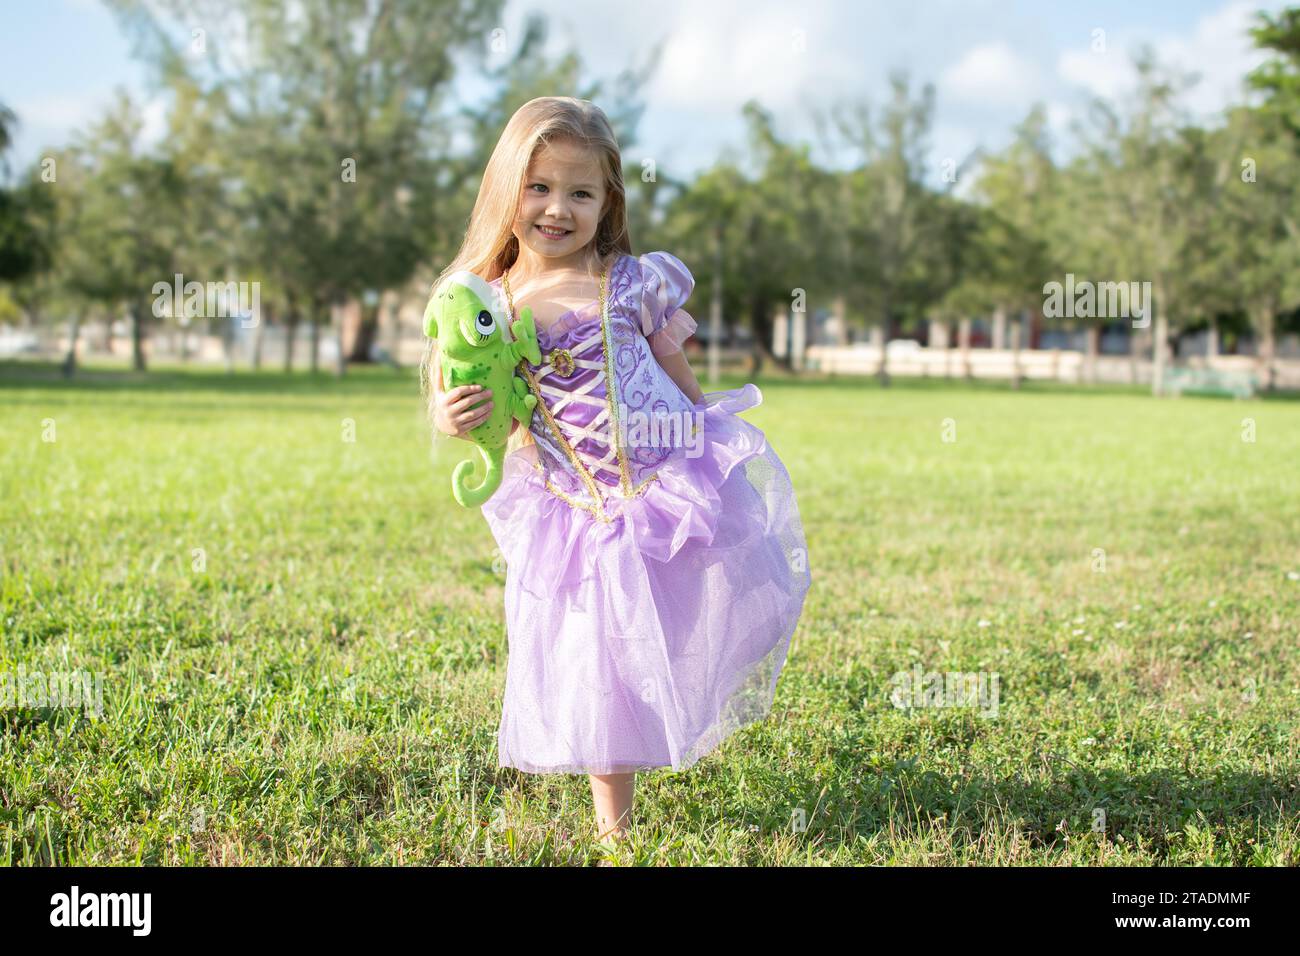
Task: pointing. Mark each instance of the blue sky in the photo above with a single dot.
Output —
(989, 60)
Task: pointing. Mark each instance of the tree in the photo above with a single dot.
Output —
(970, 258)
(890, 216)
(1018, 186)
(336, 101)
(1146, 196)
(1280, 75)
(125, 218)
(24, 250)
(762, 230)
(1254, 260)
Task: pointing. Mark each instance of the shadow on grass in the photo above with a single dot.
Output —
(1157, 806)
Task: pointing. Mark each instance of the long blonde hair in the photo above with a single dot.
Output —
(490, 247)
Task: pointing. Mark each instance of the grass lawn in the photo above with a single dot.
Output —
(301, 646)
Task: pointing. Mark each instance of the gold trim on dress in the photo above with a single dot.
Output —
(625, 471)
(597, 509)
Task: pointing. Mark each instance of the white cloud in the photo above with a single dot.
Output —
(1221, 51)
(715, 61)
(1058, 119)
(47, 121)
(52, 119)
(154, 126)
(58, 111)
(1105, 73)
(990, 61)
(1218, 48)
(991, 75)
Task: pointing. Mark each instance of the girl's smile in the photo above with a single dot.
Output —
(560, 206)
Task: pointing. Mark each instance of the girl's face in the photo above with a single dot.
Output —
(561, 206)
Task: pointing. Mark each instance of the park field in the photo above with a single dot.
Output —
(299, 646)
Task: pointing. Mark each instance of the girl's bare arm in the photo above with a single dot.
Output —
(679, 370)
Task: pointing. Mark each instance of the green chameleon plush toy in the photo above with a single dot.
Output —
(475, 347)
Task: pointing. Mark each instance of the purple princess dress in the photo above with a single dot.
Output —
(656, 562)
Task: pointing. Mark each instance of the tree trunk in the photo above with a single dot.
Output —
(1092, 349)
(367, 327)
(1017, 328)
(290, 333)
(1212, 340)
(939, 336)
(963, 343)
(999, 328)
(228, 341)
(715, 309)
(137, 337)
(798, 338)
(1263, 321)
(336, 322)
(781, 334)
(1160, 344)
(760, 321)
(839, 319)
(1135, 345)
(314, 335)
(882, 371)
(259, 335)
(74, 334)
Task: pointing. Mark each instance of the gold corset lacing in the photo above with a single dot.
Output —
(594, 488)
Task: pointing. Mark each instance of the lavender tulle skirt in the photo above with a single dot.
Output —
(645, 641)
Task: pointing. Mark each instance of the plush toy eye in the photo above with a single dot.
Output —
(484, 324)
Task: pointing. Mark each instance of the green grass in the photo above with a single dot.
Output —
(327, 689)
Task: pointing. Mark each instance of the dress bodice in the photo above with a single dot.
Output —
(607, 413)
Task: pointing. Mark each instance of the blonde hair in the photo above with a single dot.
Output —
(490, 247)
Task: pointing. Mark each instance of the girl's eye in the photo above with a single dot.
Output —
(580, 192)
(484, 324)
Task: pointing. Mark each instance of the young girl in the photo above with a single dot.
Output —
(652, 586)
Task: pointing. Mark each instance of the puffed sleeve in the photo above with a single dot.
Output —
(666, 284)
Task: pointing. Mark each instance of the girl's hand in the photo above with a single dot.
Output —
(454, 413)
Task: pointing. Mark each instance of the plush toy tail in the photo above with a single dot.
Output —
(473, 497)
